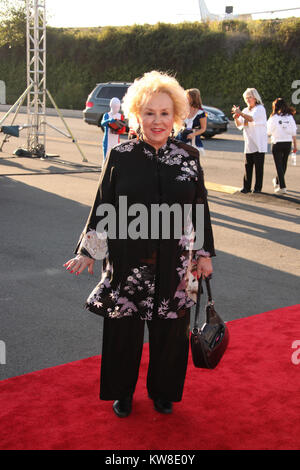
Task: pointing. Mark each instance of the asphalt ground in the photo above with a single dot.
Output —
(44, 206)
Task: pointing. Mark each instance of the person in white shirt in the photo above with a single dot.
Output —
(253, 121)
(282, 128)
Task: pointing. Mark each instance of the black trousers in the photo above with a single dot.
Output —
(256, 160)
(122, 350)
(281, 151)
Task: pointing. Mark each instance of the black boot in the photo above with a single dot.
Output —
(163, 406)
(122, 407)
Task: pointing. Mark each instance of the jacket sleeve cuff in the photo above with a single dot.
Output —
(93, 245)
(201, 253)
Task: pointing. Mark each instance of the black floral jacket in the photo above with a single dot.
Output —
(145, 276)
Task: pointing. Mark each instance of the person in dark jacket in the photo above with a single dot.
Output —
(147, 258)
(195, 123)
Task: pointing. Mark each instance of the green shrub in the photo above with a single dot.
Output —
(222, 59)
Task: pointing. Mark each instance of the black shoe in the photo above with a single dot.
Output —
(122, 408)
(245, 191)
(256, 191)
(163, 406)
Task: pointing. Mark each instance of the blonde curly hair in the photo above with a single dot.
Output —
(143, 88)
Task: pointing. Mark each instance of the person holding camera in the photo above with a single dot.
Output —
(253, 122)
(114, 125)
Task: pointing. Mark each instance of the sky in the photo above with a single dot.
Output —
(87, 13)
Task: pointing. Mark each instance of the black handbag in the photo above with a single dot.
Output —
(183, 134)
(208, 343)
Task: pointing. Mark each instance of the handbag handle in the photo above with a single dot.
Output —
(196, 322)
(208, 289)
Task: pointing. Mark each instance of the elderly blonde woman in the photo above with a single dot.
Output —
(144, 272)
(253, 121)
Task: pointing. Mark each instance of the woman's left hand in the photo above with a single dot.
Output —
(204, 267)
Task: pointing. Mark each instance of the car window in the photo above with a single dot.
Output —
(109, 92)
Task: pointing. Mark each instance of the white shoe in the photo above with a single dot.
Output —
(280, 191)
(275, 184)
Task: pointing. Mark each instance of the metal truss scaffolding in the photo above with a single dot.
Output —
(36, 76)
(36, 90)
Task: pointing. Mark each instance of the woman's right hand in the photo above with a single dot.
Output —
(235, 110)
(79, 263)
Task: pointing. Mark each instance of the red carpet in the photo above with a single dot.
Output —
(250, 401)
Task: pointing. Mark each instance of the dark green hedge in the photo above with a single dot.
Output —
(220, 58)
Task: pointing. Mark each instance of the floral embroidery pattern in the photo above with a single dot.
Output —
(140, 280)
(189, 170)
(148, 153)
(95, 297)
(184, 301)
(163, 310)
(130, 285)
(126, 147)
(95, 244)
(177, 156)
(172, 155)
(132, 298)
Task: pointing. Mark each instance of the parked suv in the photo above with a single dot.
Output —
(98, 100)
(217, 122)
(98, 103)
